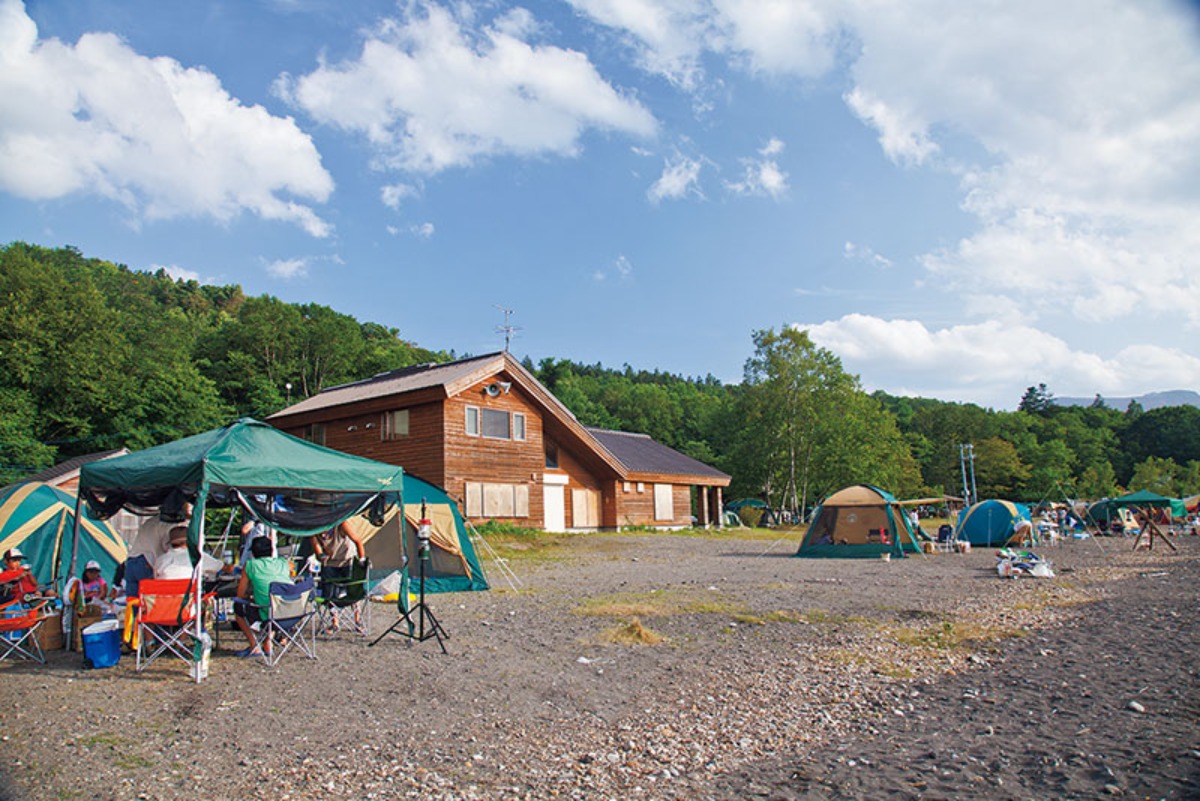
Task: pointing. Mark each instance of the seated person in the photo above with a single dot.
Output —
(176, 563)
(16, 580)
(253, 598)
(91, 589)
(337, 549)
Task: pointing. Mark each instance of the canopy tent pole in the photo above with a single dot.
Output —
(75, 537)
(1153, 529)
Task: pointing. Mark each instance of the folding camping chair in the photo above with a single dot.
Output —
(166, 620)
(343, 601)
(292, 609)
(19, 624)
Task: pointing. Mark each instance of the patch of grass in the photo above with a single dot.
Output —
(632, 633)
(823, 616)
(111, 740)
(949, 635)
(784, 616)
(660, 603)
(749, 620)
(131, 761)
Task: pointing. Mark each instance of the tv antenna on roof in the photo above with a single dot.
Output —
(507, 329)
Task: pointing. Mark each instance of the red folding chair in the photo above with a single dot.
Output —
(166, 619)
(19, 624)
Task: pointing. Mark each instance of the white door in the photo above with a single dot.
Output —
(555, 507)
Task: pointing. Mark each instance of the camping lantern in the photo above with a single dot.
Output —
(424, 532)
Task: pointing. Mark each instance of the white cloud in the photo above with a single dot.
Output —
(162, 139)
(395, 194)
(429, 92)
(666, 36)
(423, 230)
(671, 37)
(1074, 127)
(680, 178)
(288, 269)
(1088, 191)
(991, 363)
(762, 175)
(865, 254)
(621, 266)
(176, 272)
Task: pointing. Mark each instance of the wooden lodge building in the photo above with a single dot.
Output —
(490, 434)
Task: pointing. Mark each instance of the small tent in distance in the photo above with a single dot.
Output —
(40, 520)
(453, 564)
(860, 521)
(991, 523)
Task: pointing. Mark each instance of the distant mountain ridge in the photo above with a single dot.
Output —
(1151, 400)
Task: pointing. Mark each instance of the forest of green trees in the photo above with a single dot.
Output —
(95, 356)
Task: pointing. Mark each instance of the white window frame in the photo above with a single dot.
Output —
(517, 426)
(471, 421)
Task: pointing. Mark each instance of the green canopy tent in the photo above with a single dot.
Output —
(40, 520)
(294, 486)
(1143, 501)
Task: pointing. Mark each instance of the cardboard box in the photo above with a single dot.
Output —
(50, 634)
(81, 623)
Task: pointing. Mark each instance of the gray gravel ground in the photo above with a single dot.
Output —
(776, 678)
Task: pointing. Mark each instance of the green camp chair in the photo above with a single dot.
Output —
(343, 603)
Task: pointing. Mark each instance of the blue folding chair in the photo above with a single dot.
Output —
(291, 621)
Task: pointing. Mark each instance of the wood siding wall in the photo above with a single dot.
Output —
(478, 458)
(420, 453)
(635, 508)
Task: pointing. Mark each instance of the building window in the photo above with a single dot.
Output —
(497, 500)
(314, 433)
(627, 487)
(494, 424)
(664, 502)
(551, 455)
(395, 424)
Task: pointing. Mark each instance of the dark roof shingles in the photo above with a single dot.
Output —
(642, 454)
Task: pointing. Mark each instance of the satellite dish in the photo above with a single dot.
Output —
(493, 390)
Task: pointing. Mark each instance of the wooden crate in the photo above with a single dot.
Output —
(50, 634)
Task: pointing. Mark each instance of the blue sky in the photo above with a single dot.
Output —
(958, 199)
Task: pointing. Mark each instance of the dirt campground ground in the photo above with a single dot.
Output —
(775, 678)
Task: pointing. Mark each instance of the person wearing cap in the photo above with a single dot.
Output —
(16, 581)
(92, 587)
(176, 563)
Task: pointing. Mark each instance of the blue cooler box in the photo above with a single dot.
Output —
(102, 644)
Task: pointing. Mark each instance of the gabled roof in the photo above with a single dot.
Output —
(639, 453)
(68, 469)
(623, 453)
(451, 376)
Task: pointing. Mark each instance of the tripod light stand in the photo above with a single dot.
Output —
(419, 620)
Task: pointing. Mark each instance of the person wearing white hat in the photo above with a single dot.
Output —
(92, 585)
(16, 580)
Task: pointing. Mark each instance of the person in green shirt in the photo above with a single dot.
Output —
(254, 590)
